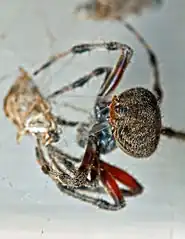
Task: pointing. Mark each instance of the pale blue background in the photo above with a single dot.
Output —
(29, 32)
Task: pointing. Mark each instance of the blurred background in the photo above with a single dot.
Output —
(30, 204)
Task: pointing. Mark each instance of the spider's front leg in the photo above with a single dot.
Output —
(81, 81)
(112, 77)
(83, 48)
(110, 83)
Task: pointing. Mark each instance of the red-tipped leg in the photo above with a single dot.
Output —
(112, 187)
(123, 177)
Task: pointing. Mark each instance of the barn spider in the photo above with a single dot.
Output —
(131, 120)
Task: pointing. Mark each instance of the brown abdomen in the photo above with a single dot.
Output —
(137, 132)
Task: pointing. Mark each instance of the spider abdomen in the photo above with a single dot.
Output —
(136, 122)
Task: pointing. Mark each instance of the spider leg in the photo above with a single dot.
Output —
(124, 178)
(153, 61)
(108, 175)
(113, 75)
(75, 108)
(87, 161)
(99, 172)
(68, 162)
(92, 164)
(112, 188)
(76, 84)
(101, 190)
(86, 164)
(65, 163)
(58, 177)
(110, 83)
(64, 122)
(45, 167)
(63, 175)
(81, 81)
(100, 203)
(61, 156)
(83, 48)
(112, 80)
(173, 133)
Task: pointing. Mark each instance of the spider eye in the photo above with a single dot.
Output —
(119, 109)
